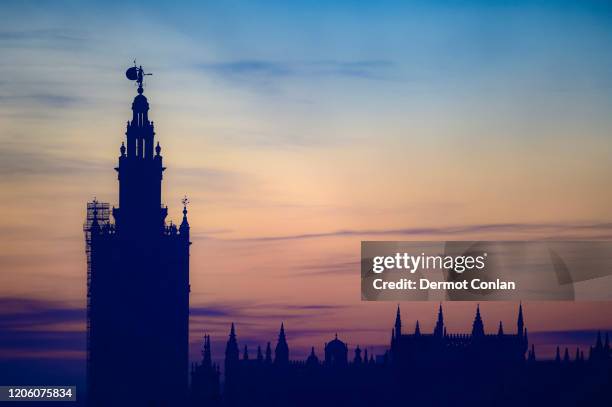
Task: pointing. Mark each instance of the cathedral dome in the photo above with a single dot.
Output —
(336, 352)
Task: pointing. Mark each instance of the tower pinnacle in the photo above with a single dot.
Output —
(520, 323)
(478, 326)
(398, 323)
(439, 329)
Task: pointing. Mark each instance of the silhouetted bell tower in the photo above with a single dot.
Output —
(138, 281)
(140, 174)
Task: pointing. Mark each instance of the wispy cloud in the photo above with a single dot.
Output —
(213, 179)
(450, 230)
(56, 38)
(47, 100)
(20, 313)
(38, 327)
(236, 311)
(15, 161)
(248, 67)
(268, 69)
(327, 268)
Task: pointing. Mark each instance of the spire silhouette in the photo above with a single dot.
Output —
(398, 323)
(520, 323)
(184, 228)
(281, 352)
(268, 353)
(206, 352)
(312, 359)
(357, 359)
(439, 329)
(598, 344)
(532, 355)
(478, 326)
(231, 350)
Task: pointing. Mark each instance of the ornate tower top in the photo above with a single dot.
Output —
(136, 73)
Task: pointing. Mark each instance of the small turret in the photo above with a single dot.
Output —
(184, 228)
(357, 360)
(206, 353)
(312, 359)
(532, 355)
(268, 353)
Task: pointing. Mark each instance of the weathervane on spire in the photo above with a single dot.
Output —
(136, 73)
(185, 202)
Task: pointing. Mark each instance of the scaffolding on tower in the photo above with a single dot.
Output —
(100, 211)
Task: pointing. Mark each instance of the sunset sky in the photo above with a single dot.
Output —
(298, 129)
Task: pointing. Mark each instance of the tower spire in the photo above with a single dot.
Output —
(439, 329)
(398, 323)
(206, 360)
(520, 323)
(268, 353)
(231, 349)
(478, 326)
(281, 352)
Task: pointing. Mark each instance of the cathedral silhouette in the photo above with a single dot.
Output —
(438, 368)
(138, 329)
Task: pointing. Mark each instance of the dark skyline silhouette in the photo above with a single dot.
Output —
(138, 281)
(422, 368)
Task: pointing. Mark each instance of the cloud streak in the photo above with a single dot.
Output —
(449, 230)
(268, 69)
(15, 161)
